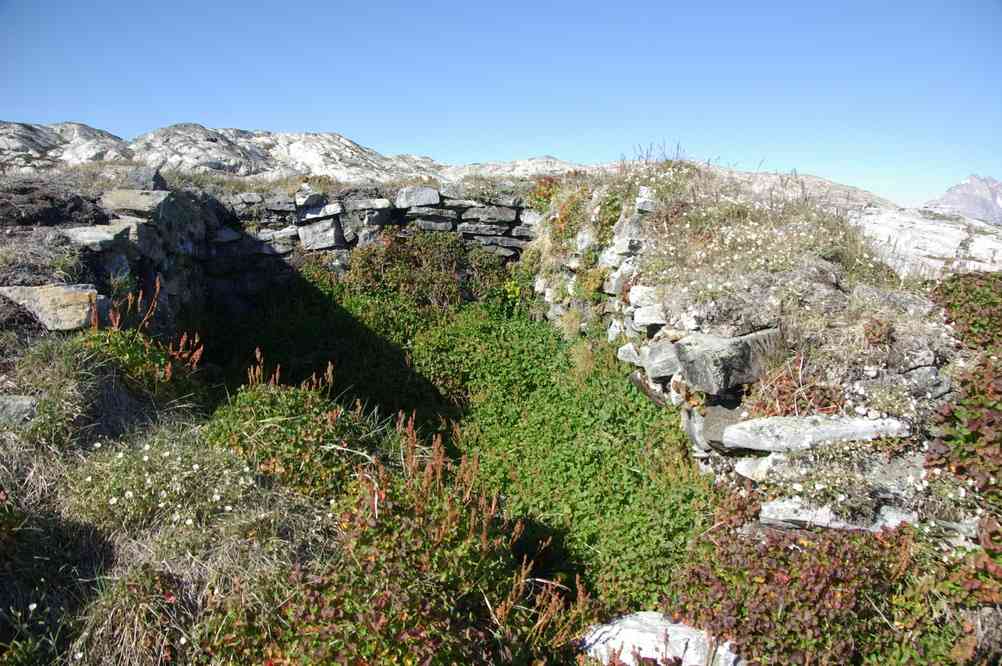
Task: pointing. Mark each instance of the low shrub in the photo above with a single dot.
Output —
(300, 437)
(973, 304)
(427, 576)
(969, 442)
(828, 598)
(427, 268)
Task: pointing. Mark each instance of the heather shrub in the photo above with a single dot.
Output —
(969, 441)
(973, 304)
(832, 597)
(427, 575)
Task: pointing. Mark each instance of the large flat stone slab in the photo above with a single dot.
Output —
(143, 203)
(800, 433)
(58, 307)
(650, 637)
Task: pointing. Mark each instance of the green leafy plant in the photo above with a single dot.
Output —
(973, 303)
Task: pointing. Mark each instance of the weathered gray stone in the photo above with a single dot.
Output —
(251, 198)
(628, 354)
(799, 433)
(59, 307)
(143, 203)
(286, 233)
(494, 214)
(585, 239)
(318, 236)
(660, 359)
(649, 637)
(409, 197)
(323, 212)
(529, 217)
(524, 231)
(480, 229)
(705, 427)
(757, 468)
(428, 211)
(305, 199)
(366, 204)
(795, 512)
(641, 296)
(619, 278)
(99, 238)
(715, 365)
(17, 410)
(650, 315)
(502, 241)
(280, 203)
(645, 201)
(433, 225)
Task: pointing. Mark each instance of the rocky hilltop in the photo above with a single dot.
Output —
(979, 197)
(189, 147)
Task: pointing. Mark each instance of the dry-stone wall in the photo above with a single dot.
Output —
(225, 253)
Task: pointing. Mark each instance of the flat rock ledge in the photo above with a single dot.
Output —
(58, 307)
(800, 433)
(634, 639)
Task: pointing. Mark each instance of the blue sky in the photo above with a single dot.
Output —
(902, 98)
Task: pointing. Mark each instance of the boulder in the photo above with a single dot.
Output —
(524, 231)
(650, 315)
(619, 278)
(641, 296)
(628, 354)
(646, 203)
(650, 637)
(409, 197)
(715, 365)
(59, 307)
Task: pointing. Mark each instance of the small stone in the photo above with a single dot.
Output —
(800, 433)
(17, 410)
(650, 637)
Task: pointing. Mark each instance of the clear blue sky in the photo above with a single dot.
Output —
(903, 98)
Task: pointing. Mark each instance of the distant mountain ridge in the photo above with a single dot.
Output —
(979, 197)
(29, 148)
